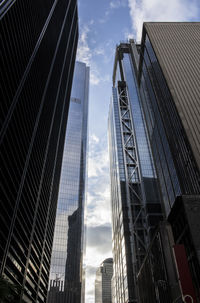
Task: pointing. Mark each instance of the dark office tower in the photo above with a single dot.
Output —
(66, 283)
(38, 48)
(134, 190)
(103, 282)
(170, 89)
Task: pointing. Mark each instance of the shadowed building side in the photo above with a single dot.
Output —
(39, 41)
(74, 258)
(170, 92)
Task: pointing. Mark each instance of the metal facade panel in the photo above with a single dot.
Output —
(185, 279)
(192, 210)
(177, 47)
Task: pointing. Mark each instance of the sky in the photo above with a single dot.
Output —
(102, 25)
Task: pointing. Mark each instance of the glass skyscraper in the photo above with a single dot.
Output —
(135, 197)
(103, 284)
(156, 105)
(170, 97)
(170, 90)
(68, 245)
(38, 49)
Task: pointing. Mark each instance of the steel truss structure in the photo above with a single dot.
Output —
(134, 190)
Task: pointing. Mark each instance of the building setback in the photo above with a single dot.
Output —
(135, 197)
(66, 283)
(103, 282)
(39, 41)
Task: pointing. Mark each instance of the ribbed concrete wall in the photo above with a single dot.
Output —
(177, 47)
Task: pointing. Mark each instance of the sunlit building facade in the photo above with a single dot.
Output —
(68, 245)
(38, 50)
(103, 282)
(135, 199)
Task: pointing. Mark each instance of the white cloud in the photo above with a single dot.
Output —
(99, 51)
(98, 249)
(98, 162)
(87, 54)
(95, 75)
(94, 139)
(127, 34)
(158, 10)
(114, 4)
(94, 79)
(98, 199)
(99, 238)
(118, 3)
(83, 51)
(105, 17)
(98, 211)
(94, 262)
(106, 51)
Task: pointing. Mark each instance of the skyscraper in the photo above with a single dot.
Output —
(170, 89)
(135, 197)
(103, 285)
(67, 254)
(165, 79)
(169, 69)
(39, 41)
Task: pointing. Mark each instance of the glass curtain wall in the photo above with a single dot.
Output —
(103, 291)
(178, 173)
(170, 101)
(67, 254)
(128, 217)
(38, 48)
(168, 178)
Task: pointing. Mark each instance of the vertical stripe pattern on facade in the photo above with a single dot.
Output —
(178, 55)
(39, 41)
(67, 253)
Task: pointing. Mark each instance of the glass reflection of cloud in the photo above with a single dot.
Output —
(147, 167)
(72, 172)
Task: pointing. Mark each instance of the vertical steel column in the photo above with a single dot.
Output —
(133, 179)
